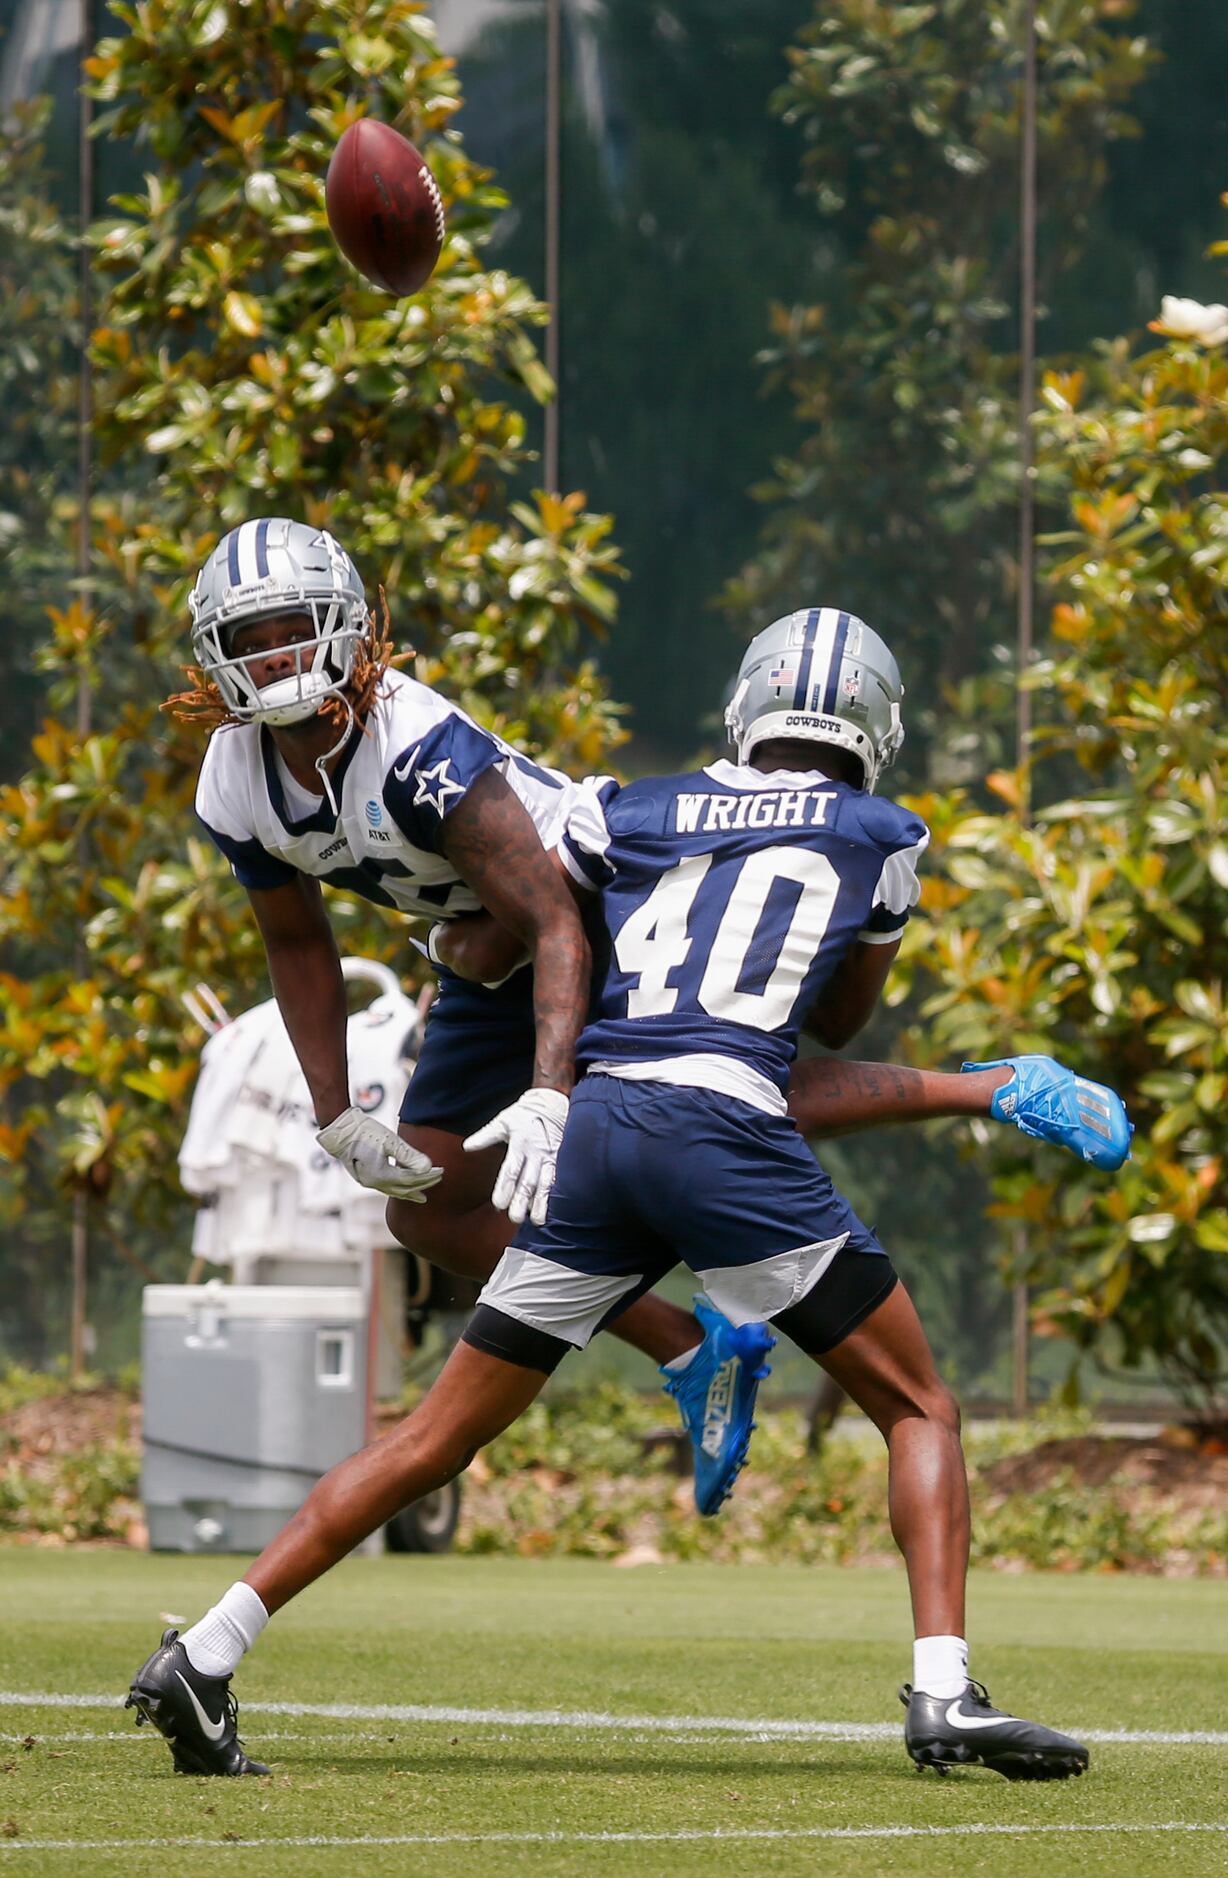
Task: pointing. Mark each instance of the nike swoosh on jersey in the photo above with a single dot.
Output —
(974, 1721)
(402, 769)
(214, 1729)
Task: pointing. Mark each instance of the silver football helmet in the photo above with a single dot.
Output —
(819, 676)
(262, 569)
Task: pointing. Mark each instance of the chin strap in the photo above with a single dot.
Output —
(733, 717)
(322, 761)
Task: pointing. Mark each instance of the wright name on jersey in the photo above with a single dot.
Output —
(396, 780)
(730, 896)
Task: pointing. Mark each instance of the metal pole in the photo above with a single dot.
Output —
(85, 477)
(554, 52)
(1027, 563)
(1027, 391)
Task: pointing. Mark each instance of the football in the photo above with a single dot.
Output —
(384, 207)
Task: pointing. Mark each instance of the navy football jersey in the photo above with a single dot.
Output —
(730, 896)
(398, 778)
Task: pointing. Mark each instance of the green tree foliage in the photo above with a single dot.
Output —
(38, 398)
(244, 368)
(899, 493)
(1099, 931)
(899, 497)
(679, 226)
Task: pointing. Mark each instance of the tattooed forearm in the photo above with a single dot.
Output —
(830, 1097)
(493, 845)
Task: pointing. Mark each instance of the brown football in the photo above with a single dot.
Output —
(384, 207)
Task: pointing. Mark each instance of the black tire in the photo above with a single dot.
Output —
(429, 1524)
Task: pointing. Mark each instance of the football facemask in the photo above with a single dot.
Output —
(819, 676)
(259, 571)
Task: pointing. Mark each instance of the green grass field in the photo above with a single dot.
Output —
(663, 1672)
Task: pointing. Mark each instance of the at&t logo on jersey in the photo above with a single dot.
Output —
(375, 815)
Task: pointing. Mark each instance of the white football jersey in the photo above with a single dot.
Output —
(395, 782)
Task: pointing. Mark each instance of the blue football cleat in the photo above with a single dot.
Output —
(716, 1394)
(1046, 1100)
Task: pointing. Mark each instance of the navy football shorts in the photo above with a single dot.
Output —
(651, 1174)
(477, 1053)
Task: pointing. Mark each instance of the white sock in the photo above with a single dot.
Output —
(677, 1364)
(940, 1666)
(216, 1645)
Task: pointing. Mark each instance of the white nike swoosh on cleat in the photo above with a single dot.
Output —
(974, 1721)
(214, 1729)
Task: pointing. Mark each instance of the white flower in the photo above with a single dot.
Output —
(1189, 319)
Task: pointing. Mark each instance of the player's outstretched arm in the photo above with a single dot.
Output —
(310, 991)
(305, 970)
(829, 1096)
(1039, 1095)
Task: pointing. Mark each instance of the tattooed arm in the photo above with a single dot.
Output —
(490, 840)
(828, 1096)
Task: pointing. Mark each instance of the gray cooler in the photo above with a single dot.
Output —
(251, 1392)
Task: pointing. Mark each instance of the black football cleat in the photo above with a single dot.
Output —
(942, 1732)
(197, 1714)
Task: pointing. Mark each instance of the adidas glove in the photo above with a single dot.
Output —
(533, 1129)
(377, 1158)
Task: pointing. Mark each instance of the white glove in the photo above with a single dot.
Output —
(377, 1158)
(533, 1129)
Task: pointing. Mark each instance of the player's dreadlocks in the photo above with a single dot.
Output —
(204, 704)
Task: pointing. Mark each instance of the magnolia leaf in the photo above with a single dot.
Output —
(1211, 1231)
(1114, 1289)
(530, 369)
(262, 192)
(166, 437)
(600, 599)
(1106, 995)
(242, 311)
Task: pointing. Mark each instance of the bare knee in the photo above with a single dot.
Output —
(946, 1410)
(424, 1452)
(912, 1401)
(933, 1402)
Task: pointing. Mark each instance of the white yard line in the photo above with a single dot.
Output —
(141, 1737)
(598, 1720)
(684, 1837)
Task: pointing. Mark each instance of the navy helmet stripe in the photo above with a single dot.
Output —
(837, 660)
(806, 659)
(262, 550)
(232, 557)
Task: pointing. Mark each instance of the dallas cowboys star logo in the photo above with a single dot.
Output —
(445, 786)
